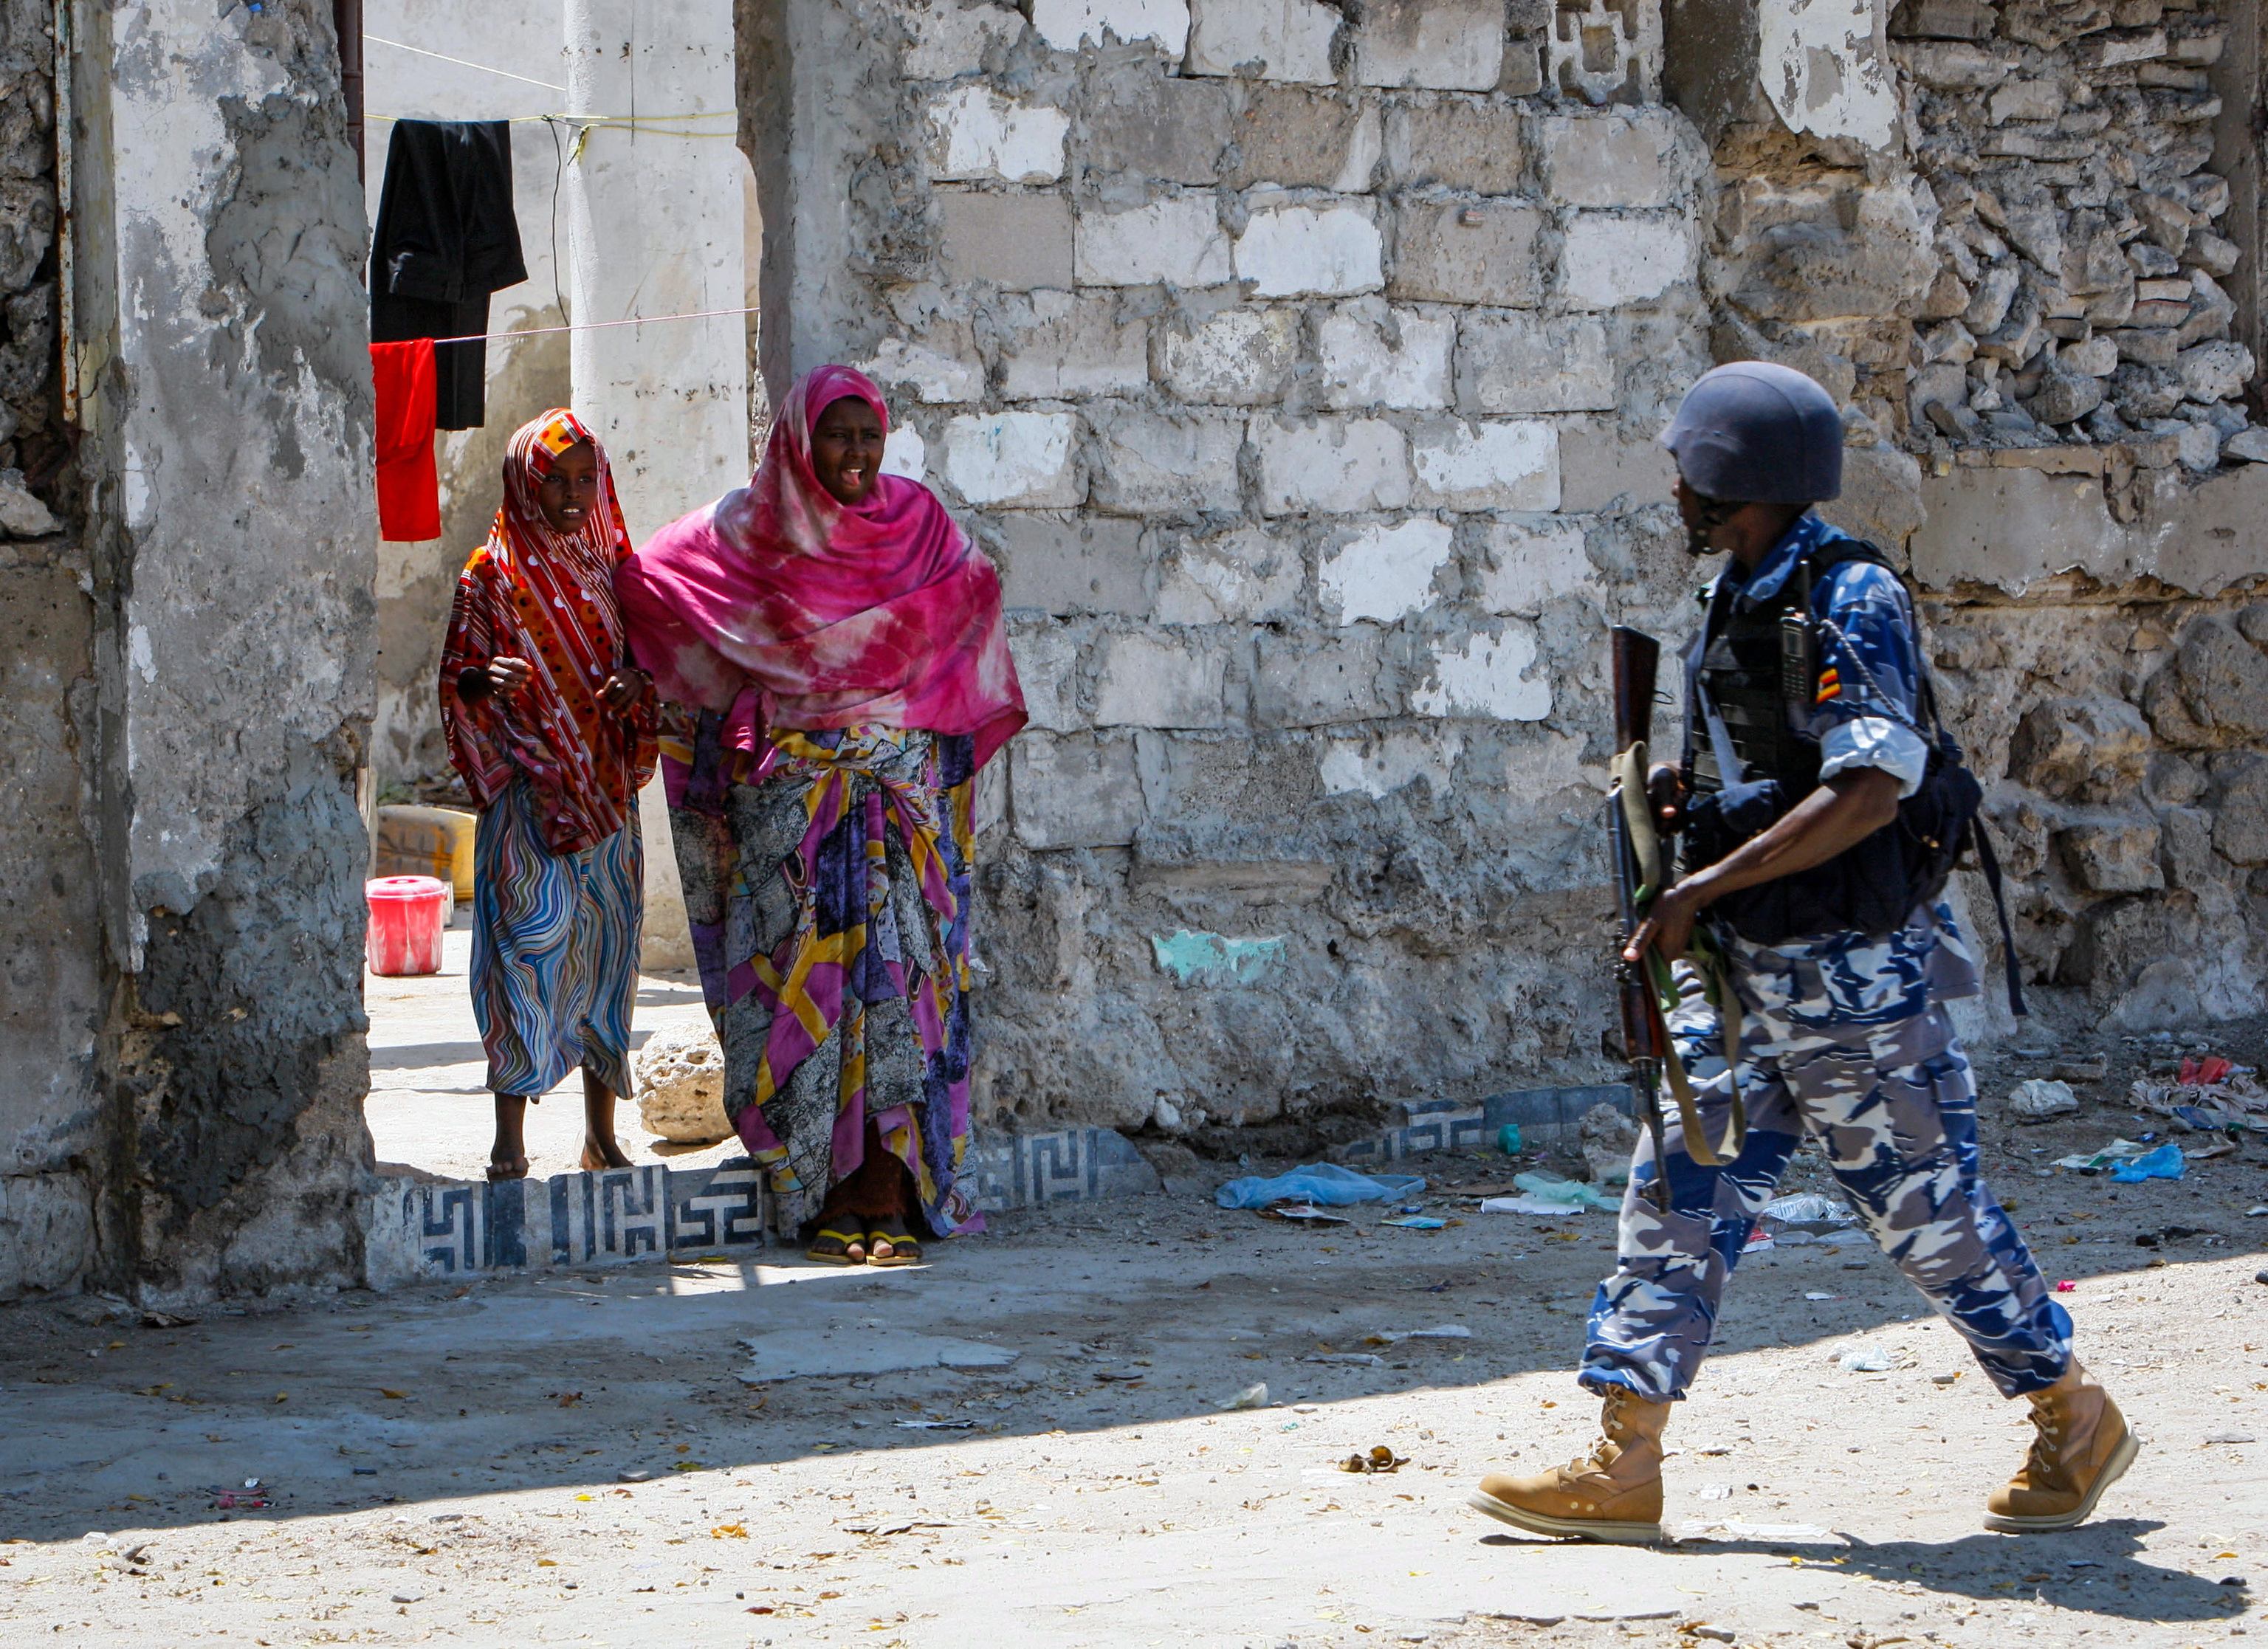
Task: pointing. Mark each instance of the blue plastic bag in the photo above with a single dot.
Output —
(2165, 1163)
(1325, 1184)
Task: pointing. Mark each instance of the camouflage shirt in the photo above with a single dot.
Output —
(1865, 713)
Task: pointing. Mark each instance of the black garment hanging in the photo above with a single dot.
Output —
(446, 240)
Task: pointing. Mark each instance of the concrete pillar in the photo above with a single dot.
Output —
(655, 226)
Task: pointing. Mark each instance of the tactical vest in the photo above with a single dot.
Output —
(1760, 669)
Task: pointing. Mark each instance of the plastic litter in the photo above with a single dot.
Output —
(1549, 1193)
(2256, 1211)
(1716, 1491)
(1417, 1222)
(1809, 1207)
(1872, 1360)
(2117, 1152)
(2165, 1163)
(2039, 1099)
(1758, 1243)
(1324, 1184)
(1778, 1533)
(937, 1425)
(1253, 1396)
(1529, 1205)
(1351, 1359)
(1508, 1140)
(1303, 1213)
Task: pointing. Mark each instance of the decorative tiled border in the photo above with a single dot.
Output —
(1546, 1116)
(432, 1230)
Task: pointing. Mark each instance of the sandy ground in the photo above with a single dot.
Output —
(429, 1105)
(730, 1454)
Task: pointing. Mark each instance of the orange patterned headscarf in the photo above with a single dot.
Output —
(536, 593)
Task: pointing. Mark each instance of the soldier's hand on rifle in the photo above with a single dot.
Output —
(1665, 790)
(1668, 924)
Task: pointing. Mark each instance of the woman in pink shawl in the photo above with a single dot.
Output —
(831, 647)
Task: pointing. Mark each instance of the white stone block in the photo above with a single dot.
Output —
(1331, 465)
(938, 380)
(950, 40)
(1453, 45)
(1242, 577)
(1826, 66)
(1487, 677)
(1177, 240)
(1375, 354)
(1067, 25)
(1508, 465)
(1018, 459)
(976, 133)
(1332, 250)
(1536, 564)
(1608, 262)
(1055, 345)
(1047, 666)
(905, 454)
(1614, 158)
(1385, 572)
(1154, 463)
(1285, 39)
(1521, 362)
(1379, 767)
(1238, 357)
(1147, 679)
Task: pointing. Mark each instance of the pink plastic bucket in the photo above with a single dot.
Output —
(407, 916)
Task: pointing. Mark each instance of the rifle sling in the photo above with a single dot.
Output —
(1628, 773)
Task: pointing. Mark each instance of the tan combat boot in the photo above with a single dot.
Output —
(2082, 1447)
(1615, 1495)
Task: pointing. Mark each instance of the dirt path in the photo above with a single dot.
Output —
(450, 1464)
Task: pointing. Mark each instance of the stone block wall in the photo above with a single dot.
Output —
(1298, 367)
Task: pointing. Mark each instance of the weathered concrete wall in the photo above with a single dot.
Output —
(227, 435)
(52, 986)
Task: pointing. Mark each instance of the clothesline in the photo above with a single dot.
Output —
(627, 122)
(592, 326)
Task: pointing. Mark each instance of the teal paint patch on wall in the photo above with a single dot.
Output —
(1214, 958)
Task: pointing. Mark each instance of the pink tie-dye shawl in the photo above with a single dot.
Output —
(788, 609)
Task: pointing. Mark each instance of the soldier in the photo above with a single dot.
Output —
(1842, 1032)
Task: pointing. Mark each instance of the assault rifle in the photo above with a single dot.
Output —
(1641, 871)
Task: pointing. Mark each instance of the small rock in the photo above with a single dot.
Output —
(2249, 447)
(2197, 446)
(2215, 371)
(2065, 396)
(2261, 1277)
(22, 515)
(2092, 1069)
(2039, 1099)
(679, 1078)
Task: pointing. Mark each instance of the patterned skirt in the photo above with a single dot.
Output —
(828, 906)
(554, 949)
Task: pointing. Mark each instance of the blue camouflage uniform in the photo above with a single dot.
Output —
(1845, 1037)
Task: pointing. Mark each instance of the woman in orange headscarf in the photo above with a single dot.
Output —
(553, 730)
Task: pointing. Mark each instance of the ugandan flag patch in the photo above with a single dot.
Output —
(1830, 685)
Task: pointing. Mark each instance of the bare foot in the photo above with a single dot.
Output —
(602, 1153)
(507, 1168)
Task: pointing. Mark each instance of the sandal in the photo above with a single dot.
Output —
(893, 1247)
(851, 1249)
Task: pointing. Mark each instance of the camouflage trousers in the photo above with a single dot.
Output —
(1894, 1105)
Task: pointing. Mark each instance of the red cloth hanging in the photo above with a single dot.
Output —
(409, 486)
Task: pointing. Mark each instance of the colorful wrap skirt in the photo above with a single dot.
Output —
(554, 949)
(828, 903)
